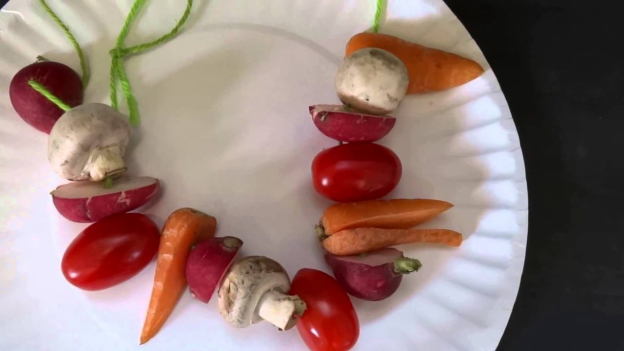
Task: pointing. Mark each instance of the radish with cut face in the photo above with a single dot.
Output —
(90, 201)
(373, 276)
(88, 143)
(207, 263)
(349, 125)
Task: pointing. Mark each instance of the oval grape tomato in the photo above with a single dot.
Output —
(356, 172)
(110, 251)
(329, 322)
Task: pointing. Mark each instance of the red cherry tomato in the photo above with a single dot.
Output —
(110, 251)
(329, 322)
(356, 172)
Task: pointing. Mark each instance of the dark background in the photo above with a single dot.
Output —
(561, 66)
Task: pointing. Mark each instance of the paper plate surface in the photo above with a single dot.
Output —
(225, 127)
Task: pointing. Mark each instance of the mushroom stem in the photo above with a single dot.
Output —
(280, 309)
(105, 162)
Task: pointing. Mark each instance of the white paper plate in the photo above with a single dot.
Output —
(225, 127)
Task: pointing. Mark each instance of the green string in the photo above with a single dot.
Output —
(118, 73)
(45, 92)
(83, 61)
(378, 12)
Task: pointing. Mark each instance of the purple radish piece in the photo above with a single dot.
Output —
(87, 201)
(373, 276)
(349, 125)
(207, 263)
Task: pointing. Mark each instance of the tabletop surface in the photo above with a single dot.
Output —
(560, 68)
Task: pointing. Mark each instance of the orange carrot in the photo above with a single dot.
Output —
(362, 240)
(183, 228)
(392, 214)
(429, 69)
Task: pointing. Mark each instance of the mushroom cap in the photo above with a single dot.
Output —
(81, 130)
(243, 287)
(372, 80)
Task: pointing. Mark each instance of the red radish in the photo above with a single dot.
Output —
(373, 276)
(207, 263)
(88, 201)
(35, 108)
(349, 125)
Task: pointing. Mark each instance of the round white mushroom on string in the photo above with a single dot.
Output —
(254, 290)
(88, 143)
(372, 80)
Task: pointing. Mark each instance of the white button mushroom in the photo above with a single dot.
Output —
(254, 290)
(88, 142)
(372, 80)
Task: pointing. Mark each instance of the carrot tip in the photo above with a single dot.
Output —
(144, 338)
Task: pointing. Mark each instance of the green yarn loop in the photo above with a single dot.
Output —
(83, 60)
(118, 72)
(378, 12)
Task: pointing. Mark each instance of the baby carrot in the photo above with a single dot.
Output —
(429, 69)
(183, 228)
(393, 214)
(362, 240)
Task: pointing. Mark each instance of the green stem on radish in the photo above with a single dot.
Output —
(108, 182)
(42, 59)
(231, 243)
(323, 116)
(406, 265)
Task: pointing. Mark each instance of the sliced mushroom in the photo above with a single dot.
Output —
(253, 290)
(88, 142)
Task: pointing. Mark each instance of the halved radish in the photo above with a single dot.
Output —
(87, 201)
(207, 263)
(349, 125)
(373, 276)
